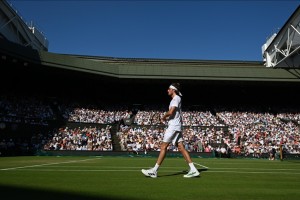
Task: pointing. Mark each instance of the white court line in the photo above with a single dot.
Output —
(163, 171)
(29, 166)
(239, 172)
(262, 169)
(200, 165)
(143, 167)
(118, 167)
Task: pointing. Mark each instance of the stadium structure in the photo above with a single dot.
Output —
(29, 69)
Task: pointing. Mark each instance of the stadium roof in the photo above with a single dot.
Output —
(138, 68)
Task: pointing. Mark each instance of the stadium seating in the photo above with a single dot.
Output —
(242, 130)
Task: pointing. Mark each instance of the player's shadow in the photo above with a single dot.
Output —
(181, 173)
(17, 192)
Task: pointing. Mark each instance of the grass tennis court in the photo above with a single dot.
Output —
(46, 177)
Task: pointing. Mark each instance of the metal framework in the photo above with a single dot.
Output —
(15, 29)
(282, 50)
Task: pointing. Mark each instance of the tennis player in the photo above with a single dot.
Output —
(173, 134)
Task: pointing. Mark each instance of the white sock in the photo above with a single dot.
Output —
(192, 166)
(155, 168)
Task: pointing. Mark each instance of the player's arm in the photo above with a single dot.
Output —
(169, 113)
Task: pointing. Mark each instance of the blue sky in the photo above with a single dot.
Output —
(201, 30)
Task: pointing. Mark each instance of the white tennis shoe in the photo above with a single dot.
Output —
(191, 174)
(149, 172)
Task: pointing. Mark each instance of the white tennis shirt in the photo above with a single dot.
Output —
(175, 120)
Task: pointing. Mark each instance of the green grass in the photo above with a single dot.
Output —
(120, 178)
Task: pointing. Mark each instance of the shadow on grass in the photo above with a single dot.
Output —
(182, 173)
(14, 192)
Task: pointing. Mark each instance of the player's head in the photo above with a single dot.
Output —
(174, 88)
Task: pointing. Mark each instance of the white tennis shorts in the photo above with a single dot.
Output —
(173, 135)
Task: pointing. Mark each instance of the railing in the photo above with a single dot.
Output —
(32, 26)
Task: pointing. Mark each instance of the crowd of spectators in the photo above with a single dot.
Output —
(290, 117)
(85, 138)
(148, 138)
(242, 129)
(249, 132)
(190, 118)
(28, 110)
(19, 146)
(93, 114)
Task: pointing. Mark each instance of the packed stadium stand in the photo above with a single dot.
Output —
(56, 103)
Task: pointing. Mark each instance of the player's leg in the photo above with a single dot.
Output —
(162, 153)
(168, 136)
(184, 152)
(193, 172)
(152, 172)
